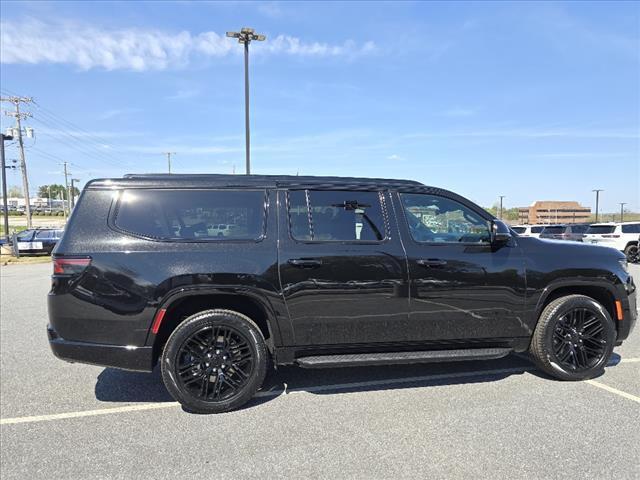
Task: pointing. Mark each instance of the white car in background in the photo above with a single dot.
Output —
(528, 230)
(621, 236)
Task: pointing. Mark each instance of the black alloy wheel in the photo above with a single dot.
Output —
(579, 339)
(574, 338)
(214, 361)
(633, 253)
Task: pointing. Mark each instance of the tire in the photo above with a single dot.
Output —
(560, 350)
(195, 359)
(632, 253)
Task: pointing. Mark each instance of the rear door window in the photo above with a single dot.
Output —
(537, 229)
(519, 230)
(600, 229)
(336, 215)
(192, 215)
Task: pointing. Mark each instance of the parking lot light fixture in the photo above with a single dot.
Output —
(246, 36)
(597, 201)
(622, 204)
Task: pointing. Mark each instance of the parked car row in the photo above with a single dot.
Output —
(621, 236)
(37, 240)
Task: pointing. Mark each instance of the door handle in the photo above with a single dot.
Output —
(431, 262)
(305, 262)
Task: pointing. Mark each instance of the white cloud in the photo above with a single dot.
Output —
(394, 157)
(86, 46)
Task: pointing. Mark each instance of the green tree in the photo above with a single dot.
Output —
(57, 191)
(14, 192)
(509, 214)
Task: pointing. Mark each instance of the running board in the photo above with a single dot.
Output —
(391, 358)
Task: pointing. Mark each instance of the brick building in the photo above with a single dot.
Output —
(546, 212)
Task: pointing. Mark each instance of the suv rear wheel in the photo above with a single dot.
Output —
(633, 253)
(574, 338)
(214, 361)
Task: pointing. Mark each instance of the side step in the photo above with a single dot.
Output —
(392, 358)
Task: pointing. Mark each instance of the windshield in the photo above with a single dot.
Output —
(600, 229)
(25, 235)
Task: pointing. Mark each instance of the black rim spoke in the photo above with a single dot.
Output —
(579, 339)
(215, 363)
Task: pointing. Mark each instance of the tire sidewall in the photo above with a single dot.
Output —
(610, 331)
(195, 323)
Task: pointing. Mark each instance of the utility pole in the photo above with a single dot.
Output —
(501, 197)
(245, 36)
(23, 164)
(4, 188)
(622, 204)
(66, 186)
(597, 201)
(168, 154)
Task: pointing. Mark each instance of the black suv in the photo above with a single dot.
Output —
(318, 272)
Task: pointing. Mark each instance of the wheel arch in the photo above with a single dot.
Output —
(603, 293)
(187, 302)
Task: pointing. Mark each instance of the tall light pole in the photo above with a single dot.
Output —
(4, 187)
(501, 197)
(245, 36)
(168, 154)
(622, 204)
(597, 201)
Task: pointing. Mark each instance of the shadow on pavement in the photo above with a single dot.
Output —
(121, 386)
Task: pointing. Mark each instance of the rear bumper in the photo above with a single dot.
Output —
(117, 356)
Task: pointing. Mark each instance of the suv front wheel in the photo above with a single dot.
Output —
(574, 338)
(214, 361)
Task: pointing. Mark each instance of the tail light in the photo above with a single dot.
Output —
(70, 266)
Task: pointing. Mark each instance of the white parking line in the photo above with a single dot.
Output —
(613, 390)
(271, 393)
(630, 360)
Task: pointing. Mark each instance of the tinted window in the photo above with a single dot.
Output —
(26, 235)
(536, 229)
(43, 235)
(601, 229)
(519, 229)
(438, 219)
(335, 215)
(631, 228)
(554, 230)
(192, 214)
(579, 228)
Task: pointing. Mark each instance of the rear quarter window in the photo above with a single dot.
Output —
(519, 230)
(192, 215)
(631, 228)
(601, 229)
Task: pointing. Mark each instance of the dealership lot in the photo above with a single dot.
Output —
(491, 419)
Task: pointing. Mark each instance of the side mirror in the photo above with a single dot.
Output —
(500, 233)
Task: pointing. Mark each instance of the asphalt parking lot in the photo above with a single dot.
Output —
(493, 419)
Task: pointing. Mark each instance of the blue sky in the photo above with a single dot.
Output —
(534, 101)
